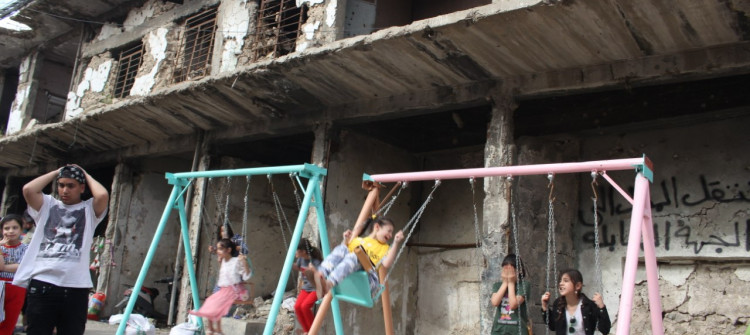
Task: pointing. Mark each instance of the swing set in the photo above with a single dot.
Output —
(181, 183)
(355, 288)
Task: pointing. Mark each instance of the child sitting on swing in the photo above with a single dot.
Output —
(232, 273)
(342, 261)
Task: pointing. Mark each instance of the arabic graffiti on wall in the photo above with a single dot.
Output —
(673, 228)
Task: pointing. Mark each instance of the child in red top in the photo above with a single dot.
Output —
(13, 251)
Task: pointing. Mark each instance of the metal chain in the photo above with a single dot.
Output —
(226, 205)
(551, 244)
(244, 248)
(514, 227)
(280, 214)
(597, 264)
(477, 235)
(413, 224)
(296, 194)
(389, 204)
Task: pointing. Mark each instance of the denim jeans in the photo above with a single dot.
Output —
(50, 306)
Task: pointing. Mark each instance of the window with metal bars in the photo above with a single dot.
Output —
(196, 48)
(127, 68)
(279, 25)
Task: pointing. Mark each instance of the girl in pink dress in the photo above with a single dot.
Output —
(232, 273)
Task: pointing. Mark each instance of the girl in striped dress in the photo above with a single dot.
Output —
(13, 251)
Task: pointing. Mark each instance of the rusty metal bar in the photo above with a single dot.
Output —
(279, 25)
(196, 46)
(129, 62)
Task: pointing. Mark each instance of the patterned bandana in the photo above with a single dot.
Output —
(73, 173)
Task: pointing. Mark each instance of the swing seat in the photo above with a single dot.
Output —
(355, 289)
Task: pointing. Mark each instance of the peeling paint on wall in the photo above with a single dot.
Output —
(743, 274)
(234, 21)
(15, 119)
(139, 16)
(331, 13)
(309, 31)
(108, 30)
(157, 45)
(676, 275)
(94, 80)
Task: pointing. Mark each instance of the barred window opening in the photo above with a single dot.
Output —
(279, 24)
(196, 48)
(128, 63)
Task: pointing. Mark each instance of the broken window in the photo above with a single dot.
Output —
(196, 48)
(279, 25)
(128, 63)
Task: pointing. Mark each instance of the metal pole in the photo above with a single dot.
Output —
(286, 270)
(652, 271)
(631, 260)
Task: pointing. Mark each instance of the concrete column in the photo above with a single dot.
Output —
(119, 205)
(6, 195)
(185, 302)
(23, 106)
(320, 156)
(498, 151)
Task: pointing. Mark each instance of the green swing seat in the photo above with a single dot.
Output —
(355, 289)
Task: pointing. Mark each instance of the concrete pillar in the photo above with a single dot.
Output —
(6, 195)
(119, 206)
(498, 151)
(185, 302)
(320, 156)
(23, 106)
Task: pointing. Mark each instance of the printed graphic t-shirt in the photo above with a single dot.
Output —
(59, 251)
(504, 315)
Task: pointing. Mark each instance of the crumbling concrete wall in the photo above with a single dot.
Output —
(530, 196)
(235, 21)
(448, 292)
(353, 154)
(325, 23)
(266, 240)
(20, 110)
(136, 223)
(700, 215)
(95, 88)
(149, 74)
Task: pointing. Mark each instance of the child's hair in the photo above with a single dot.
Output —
(575, 278)
(9, 218)
(230, 232)
(228, 244)
(382, 221)
(305, 245)
(27, 217)
(511, 260)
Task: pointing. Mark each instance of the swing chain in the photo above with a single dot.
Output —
(514, 226)
(226, 205)
(413, 224)
(472, 181)
(387, 207)
(245, 250)
(296, 194)
(597, 264)
(280, 214)
(551, 243)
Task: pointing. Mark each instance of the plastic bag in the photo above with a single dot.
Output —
(137, 324)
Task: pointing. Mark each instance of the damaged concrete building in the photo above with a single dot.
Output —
(131, 89)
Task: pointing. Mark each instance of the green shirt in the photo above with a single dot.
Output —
(504, 317)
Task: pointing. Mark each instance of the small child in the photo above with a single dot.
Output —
(573, 313)
(13, 251)
(342, 261)
(233, 272)
(307, 255)
(29, 226)
(510, 299)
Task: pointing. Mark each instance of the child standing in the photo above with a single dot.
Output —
(573, 313)
(307, 255)
(13, 251)
(232, 272)
(510, 299)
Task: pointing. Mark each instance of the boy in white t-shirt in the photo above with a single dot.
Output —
(55, 269)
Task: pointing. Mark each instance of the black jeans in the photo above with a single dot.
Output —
(51, 306)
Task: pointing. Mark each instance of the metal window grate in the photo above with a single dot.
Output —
(196, 48)
(279, 25)
(127, 69)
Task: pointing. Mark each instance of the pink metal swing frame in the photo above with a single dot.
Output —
(641, 226)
